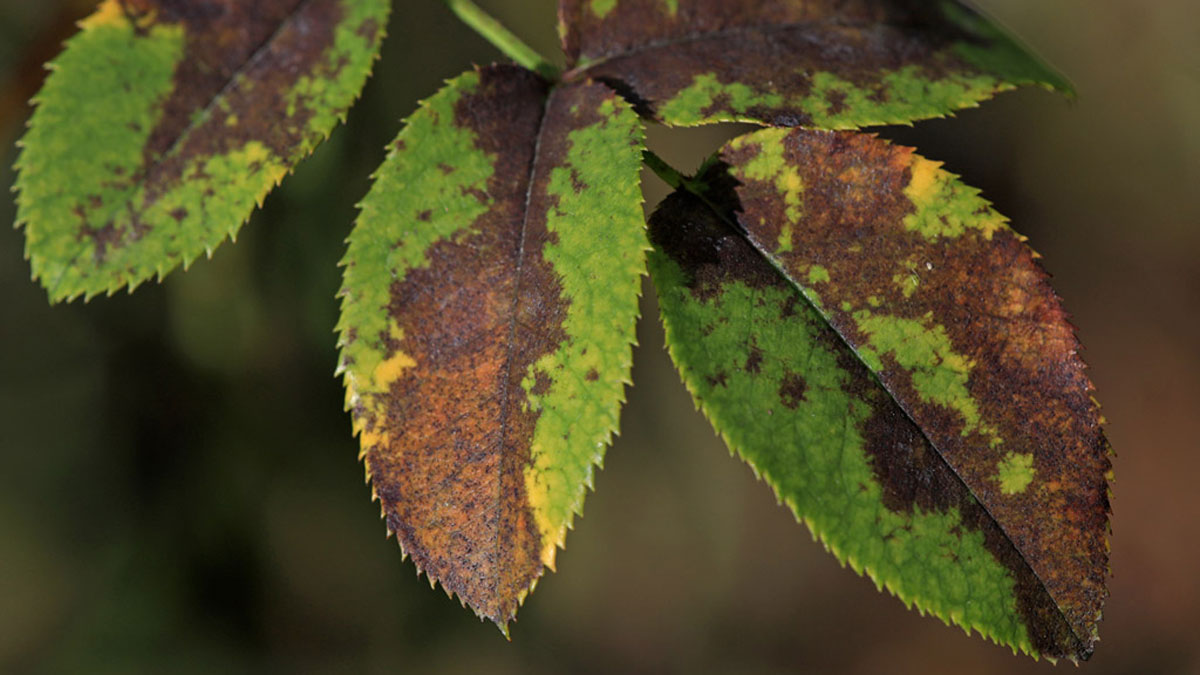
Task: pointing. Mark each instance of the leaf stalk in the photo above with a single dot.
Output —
(502, 38)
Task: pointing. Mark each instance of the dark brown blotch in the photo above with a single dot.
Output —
(792, 390)
(754, 360)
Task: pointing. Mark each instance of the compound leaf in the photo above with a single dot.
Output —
(877, 343)
(816, 63)
(162, 124)
(488, 311)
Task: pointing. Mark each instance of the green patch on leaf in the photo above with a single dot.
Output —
(945, 206)
(737, 99)
(899, 96)
(939, 373)
(1016, 473)
(601, 8)
(598, 250)
(769, 165)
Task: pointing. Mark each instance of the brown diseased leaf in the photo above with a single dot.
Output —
(949, 308)
(818, 63)
(746, 341)
(489, 307)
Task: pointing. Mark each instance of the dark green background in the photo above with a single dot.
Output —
(179, 491)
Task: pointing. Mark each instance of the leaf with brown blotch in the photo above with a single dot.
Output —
(948, 308)
(488, 311)
(817, 63)
(790, 398)
(163, 124)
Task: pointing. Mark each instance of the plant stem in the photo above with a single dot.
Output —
(669, 174)
(698, 188)
(502, 38)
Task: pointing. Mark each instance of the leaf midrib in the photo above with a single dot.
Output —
(518, 273)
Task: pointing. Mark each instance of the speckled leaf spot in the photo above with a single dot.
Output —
(816, 63)
(488, 311)
(948, 308)
(791, 399)
(163, 124)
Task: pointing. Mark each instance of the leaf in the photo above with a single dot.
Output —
(788, 396)
(489, 302)
(162, 124)
(816, 63)
(945, 306)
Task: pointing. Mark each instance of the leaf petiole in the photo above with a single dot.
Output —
(697, 187)
(502, 38)
(669, 174)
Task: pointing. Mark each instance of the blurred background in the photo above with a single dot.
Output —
(179, 491)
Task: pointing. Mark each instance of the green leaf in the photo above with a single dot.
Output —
(488, 310)
(943, 311)
(823, 63)
(162, 124)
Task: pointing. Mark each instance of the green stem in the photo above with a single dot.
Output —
(502, 38)
(669, 174)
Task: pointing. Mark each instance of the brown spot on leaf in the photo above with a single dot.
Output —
(677, 227)
(367, 30)
(541, 384)
(104, 238)
(719, 379)
(792, 390)
(455, 498)
(754, 361)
